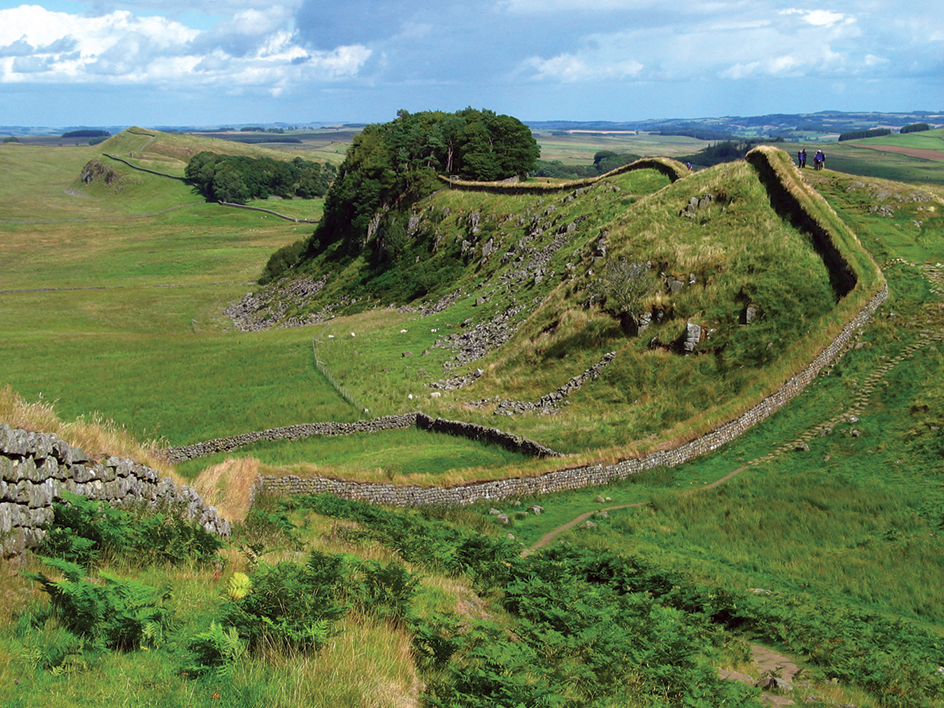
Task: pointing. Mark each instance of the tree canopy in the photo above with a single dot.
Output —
(237, 179)
(392, 164)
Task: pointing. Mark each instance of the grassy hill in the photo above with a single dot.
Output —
(826, 544)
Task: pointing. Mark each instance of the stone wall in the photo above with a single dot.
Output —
(422, 421)
(493, 436)
(788, 204)
(672, 169)
(36, 467)
(578, 477)
(175, 455)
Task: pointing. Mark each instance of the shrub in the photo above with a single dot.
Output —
(290, 606)
(122, 614)
(386, 590)
(84, 531)
(215, 651)
(624, 286)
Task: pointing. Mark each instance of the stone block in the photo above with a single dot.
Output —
(82, 474)
(39, 495)
(7, 469)
(42, 446)
(22, 468)
(33, 536)
(62, 451)
(13, 544)
(42, 516)
(6, 517)
(7, 440)
(49, 469)
(21, 443)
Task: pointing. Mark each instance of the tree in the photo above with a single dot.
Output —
(624, 287)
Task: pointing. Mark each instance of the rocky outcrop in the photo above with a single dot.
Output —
(266, 308)
(95, 171)
(36, 467)
(551, 401)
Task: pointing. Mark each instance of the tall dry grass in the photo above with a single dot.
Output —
(367, 664)
(98, 437)
(229, 486)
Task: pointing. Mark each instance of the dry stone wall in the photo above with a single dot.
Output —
(579, 477)
(422, 421)
(175, 455)
(36, 467)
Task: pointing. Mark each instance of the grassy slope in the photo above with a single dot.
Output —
(153, 338)
(165, 346)
(883, 484)
(870, 512)
(645, 391)
(856, 157)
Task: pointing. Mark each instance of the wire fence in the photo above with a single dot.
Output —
(343, 392)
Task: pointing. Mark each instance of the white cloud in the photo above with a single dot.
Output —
(754, 42)
(570, 68)
(252, 48)
(818, 18)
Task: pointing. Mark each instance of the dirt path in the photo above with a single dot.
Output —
(554, 533)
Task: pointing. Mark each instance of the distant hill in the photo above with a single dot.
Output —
(772, 125)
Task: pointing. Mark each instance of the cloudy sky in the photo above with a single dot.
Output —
(196, 62)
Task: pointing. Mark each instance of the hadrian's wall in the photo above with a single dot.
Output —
(36, 467)
(578, 477)
(672, 169)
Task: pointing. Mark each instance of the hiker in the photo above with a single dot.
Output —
(817, 160)
(822, 160)
(801, 158)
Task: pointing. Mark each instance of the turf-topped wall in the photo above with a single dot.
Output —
(36, 467)
(672, 169)
(794, 201)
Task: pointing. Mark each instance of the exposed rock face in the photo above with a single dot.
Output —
(95, 171)
(267, 307)
(36, 467)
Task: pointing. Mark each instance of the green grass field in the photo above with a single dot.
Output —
(107, 306)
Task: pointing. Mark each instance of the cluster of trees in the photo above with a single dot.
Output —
(392, 164)
(862, 134)
(86, 134)
(915, 128)
(603, 161)
(726, 151)
(237, 179)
